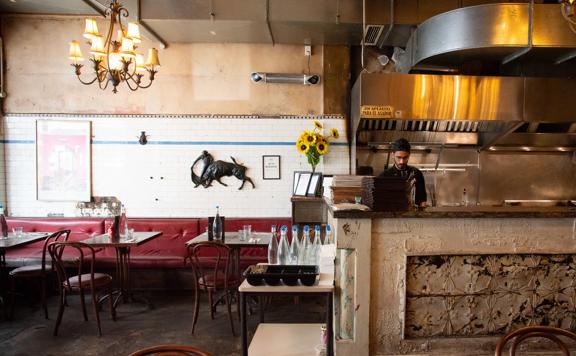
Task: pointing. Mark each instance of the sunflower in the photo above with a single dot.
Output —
(308, 137)
(334, 133)
(322, 147)
(302, 147)
(317, 125)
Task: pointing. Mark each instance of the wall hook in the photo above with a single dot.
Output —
(142, 139)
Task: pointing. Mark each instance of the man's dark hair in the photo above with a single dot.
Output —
(400, 144)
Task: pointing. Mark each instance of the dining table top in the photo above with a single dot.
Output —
(27, 237)
(138, 238)
(256, 239)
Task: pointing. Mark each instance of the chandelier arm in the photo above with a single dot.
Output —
(564, 12)
(130, 79)
(152, 72)
(87, 83)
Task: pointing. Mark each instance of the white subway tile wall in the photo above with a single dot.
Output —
(155, 181)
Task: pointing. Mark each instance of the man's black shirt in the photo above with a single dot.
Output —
(409, 173)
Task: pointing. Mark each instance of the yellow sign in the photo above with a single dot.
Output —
(376, 112)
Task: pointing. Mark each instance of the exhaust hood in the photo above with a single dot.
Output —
(486, 113)
(504, 33)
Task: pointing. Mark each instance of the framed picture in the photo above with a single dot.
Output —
(315, 184)
(63, 160)
(270, 167)
(295, 180)
(303, 182)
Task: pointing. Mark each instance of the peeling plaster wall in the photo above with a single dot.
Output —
(394, 239)
(193, 79)
(198, 81)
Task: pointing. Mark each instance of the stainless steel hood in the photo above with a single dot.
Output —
(494, 32)
(487, 113)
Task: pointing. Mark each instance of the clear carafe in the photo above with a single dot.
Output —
(303, 257)
(294, 246)
(273, 247)
(283, 247)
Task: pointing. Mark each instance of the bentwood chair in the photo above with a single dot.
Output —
(37, 272)
(211, 263)
(548, 332)
(83, 280)
(170, 350)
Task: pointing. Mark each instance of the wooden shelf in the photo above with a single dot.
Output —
(297, 198)
(285, 340)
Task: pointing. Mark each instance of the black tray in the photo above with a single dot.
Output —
(256, 275)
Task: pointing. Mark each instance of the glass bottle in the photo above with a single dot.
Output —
(217, 225)
(283, 248)
(123, 222)
(328, 238)
(294, 246)
(315, 255)
(273, 247)
(3, 221)
(303, 257)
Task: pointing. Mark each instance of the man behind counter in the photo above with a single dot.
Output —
(401, 153)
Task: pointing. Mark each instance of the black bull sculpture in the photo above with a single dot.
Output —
(214, 170)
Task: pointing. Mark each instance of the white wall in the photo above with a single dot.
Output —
(123, 168)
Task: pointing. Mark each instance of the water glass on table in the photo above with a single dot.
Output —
(241, 235)
(17, 231)
(247, 231)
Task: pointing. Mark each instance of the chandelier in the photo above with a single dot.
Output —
(115, 60)
(568, 11)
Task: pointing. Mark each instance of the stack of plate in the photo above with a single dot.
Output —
(345, 188)
(385, 193)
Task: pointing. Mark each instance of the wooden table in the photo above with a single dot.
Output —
(267, 333)
(12, 241)
(122, 247)
(257, 239)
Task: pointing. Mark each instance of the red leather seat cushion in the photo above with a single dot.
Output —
(165, 251)
(80, 229)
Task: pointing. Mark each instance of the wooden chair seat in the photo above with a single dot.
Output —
(101, 280)
(28, 271)
(209, 281)
(172, 350)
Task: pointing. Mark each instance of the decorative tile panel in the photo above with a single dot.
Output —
(477, 295)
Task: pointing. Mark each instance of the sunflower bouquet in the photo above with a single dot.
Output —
(314, 145)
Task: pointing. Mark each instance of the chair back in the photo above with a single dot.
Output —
(61, 235)
(547, 332)
(84, 261)
(217, 267)
(170, 350)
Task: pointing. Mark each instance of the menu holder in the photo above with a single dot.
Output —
(211, 224)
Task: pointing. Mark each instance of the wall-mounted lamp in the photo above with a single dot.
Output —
(283, 78)
(143, 139)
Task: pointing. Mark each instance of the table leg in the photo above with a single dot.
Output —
(329, 324)
(243, 328)
(3, 280)
(124, 280)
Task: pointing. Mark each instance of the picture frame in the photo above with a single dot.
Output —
(295, 180)
(315, 185)
(303, 182)
(63, 160)
(271, 167)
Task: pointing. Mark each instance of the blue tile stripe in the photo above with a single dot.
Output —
(183, 143)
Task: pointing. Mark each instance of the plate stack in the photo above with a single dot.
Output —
(385, 193)
(345, 188)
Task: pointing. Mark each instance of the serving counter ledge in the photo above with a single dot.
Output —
(461, 212)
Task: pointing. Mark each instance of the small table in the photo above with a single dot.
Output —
(256, 239)
(122, 247)
(324, 285)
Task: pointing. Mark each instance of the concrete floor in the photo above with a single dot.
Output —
(137, 326)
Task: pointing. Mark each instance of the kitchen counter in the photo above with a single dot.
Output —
(462, 212)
